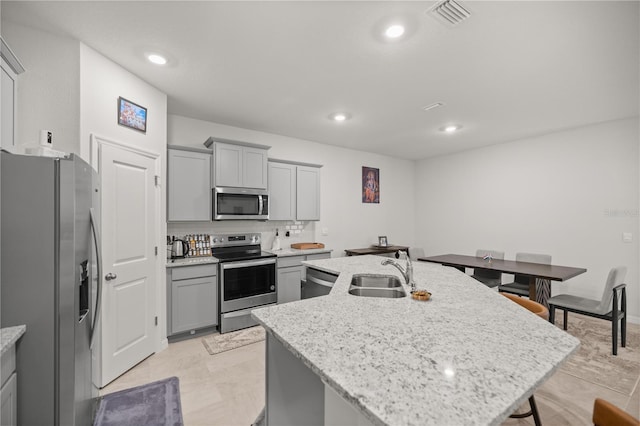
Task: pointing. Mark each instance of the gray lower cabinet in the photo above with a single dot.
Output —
(192, 298)
(291, 273)
(289, 283)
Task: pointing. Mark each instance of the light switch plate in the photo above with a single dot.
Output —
(627, 237)
(325, 231)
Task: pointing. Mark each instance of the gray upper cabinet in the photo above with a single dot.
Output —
(188, 184)
(308, 193)
(240, 165)
(282, 191)
(294, 191)
(10, 67)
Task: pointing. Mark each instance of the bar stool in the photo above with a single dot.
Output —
(541, 311)
(607, 414)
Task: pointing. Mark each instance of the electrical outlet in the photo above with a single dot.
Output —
(325, 231)
(627, 237)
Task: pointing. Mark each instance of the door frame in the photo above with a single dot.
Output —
(95, 143)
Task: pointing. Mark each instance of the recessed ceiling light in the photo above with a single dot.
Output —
(157, 59)
(451, 128)
(340, 116)
(394, 31)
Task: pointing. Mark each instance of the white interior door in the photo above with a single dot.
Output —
(128, 253)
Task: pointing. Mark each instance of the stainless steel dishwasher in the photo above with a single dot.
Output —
(319, 283)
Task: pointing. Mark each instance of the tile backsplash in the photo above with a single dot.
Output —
(299, 231)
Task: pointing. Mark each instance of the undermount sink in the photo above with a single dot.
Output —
(391, 293)
(369, 285)
(376, 281)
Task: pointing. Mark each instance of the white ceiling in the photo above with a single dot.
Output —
(512, 70)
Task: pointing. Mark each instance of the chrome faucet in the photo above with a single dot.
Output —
(407, 272)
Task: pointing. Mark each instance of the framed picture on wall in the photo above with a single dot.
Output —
(132, 115)
(370, 185)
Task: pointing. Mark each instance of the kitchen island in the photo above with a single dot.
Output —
(467, 356)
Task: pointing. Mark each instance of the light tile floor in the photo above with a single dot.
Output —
(229, 388)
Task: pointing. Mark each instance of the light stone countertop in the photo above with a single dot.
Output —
(467, 356)
(190, 261)
(9, 336)
(285, 252)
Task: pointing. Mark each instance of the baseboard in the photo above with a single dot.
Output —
(633, 319)
(164, 344)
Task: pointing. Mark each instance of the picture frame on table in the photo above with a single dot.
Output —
(132, 115)
(382, 241)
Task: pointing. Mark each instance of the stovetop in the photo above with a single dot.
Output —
(249, 253)
(233, 247)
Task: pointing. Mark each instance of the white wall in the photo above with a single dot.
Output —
(350, 223)
(101, 82)
(570, 194)
(48, 95)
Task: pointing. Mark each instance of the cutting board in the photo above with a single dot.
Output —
(307, 246)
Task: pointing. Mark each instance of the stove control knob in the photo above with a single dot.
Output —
(215, 240)
(222, 240)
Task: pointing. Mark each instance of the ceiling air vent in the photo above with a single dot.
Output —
(449, 12)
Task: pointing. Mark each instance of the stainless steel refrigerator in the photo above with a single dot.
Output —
(47, 282)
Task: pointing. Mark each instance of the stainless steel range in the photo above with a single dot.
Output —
(247, 278)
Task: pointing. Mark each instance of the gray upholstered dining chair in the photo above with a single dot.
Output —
(611, 307)
(486, 276)
(520, 284)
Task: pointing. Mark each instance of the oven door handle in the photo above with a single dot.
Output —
(236, 265)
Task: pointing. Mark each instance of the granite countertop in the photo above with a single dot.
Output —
(285, 252)
(467, 356)
(190, 261)
(9, 336)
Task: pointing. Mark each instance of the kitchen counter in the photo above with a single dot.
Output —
(9, 336)
(467, 356)
(285, 252)
(190, 261)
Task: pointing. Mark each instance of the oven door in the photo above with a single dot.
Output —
(246, 284)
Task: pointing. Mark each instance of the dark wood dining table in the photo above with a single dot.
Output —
(540, 275)
(375, 250)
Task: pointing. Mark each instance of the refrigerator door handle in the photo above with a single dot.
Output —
(96, 242)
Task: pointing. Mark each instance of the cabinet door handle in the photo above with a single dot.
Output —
(110, 276)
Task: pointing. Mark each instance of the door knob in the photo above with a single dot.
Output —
(110, 276)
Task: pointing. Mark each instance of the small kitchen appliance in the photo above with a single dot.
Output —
(179, 248)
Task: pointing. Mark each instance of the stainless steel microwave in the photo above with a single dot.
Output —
(240, 203)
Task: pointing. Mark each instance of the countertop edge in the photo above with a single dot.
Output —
(191, 261)
(10, 335)
(289, 252)
(324, 377)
